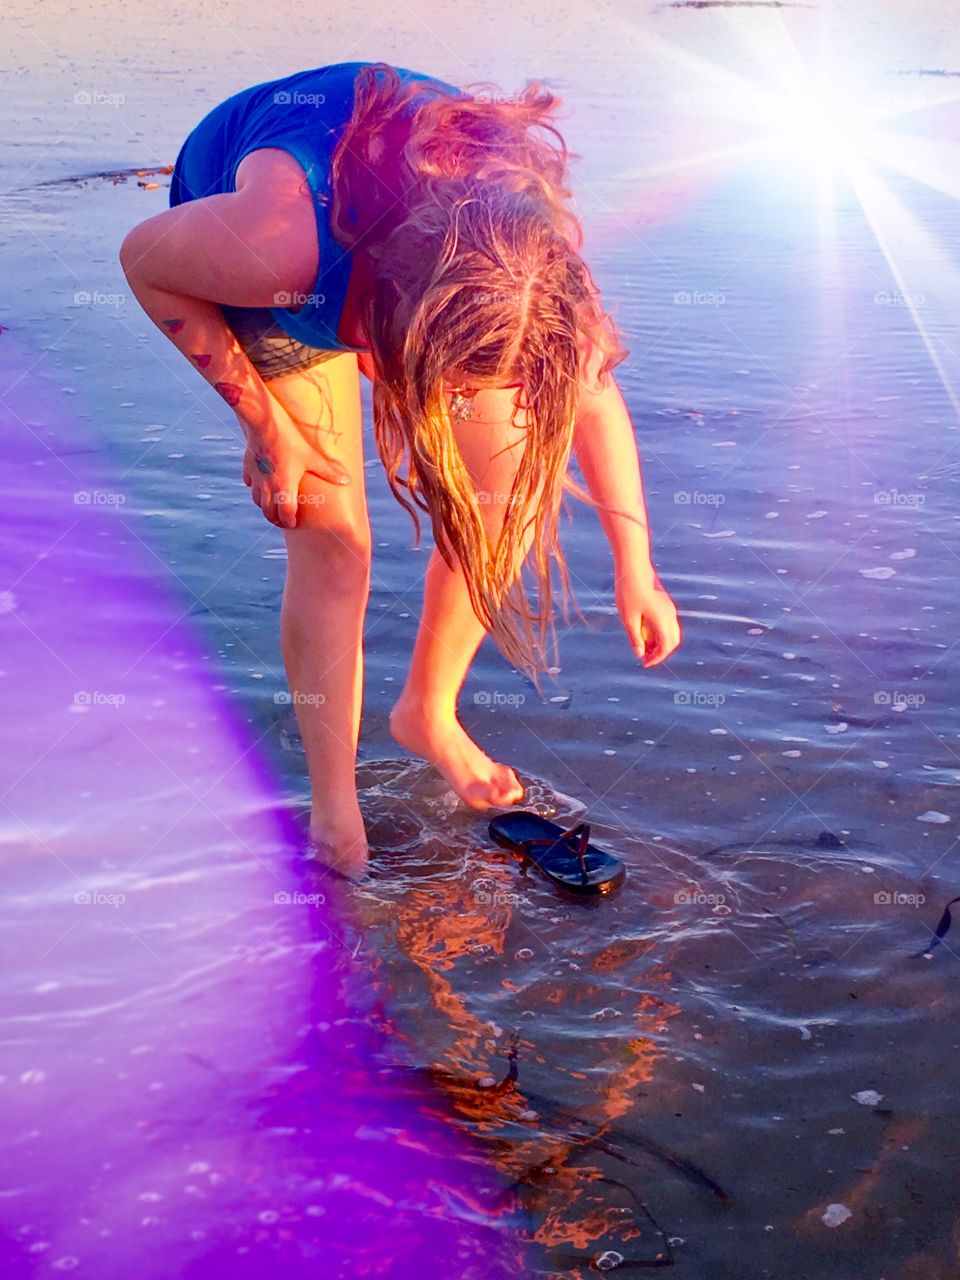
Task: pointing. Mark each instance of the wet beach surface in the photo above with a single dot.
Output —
(751, 1041)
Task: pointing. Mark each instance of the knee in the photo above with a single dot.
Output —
(331, 557)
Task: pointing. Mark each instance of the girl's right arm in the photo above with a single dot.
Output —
(243, 251)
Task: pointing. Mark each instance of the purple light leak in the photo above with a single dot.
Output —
(186, 1090)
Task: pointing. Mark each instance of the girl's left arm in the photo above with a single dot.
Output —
(606, 449)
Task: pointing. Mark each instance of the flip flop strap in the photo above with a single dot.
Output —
(578, 836)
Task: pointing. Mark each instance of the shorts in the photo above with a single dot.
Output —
(271, 351)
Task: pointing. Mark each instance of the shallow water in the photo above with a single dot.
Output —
(687, 1056)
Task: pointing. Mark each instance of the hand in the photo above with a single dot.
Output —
(648, 614)
(273, 467)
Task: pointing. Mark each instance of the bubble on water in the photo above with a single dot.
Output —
(609, 1259)
(719, 732)
(605, 1014)
(268, 1216)
(66, 1263)
(198, 1166)
(906, 554)
(933, 815)
(879, 574)
(486, 1082)
(881, 764)
(835, 1214)
(523, 954)
(867, 1097)
(33, 1077)
(842, 727)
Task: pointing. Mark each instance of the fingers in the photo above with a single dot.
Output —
(661, 639)
(278, 507)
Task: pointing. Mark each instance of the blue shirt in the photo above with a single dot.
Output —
(304, 114)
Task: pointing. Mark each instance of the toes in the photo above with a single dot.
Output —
(508, 787)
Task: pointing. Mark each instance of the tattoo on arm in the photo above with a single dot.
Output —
(229, 390)
(174, 325)
(264, 465)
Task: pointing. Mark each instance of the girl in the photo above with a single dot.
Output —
(364, 218)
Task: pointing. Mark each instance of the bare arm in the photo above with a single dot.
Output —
(184, 261)
(606, 449)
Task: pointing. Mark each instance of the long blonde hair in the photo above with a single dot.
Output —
(478, 271)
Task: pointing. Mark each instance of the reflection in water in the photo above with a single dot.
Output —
(579, 1044)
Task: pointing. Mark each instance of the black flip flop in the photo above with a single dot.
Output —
(565, 857)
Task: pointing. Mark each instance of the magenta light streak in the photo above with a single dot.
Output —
(186, 1091)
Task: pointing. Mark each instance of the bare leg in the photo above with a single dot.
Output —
(324, 600)
(424, 719)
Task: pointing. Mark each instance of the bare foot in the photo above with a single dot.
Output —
(479, 781)
(340, 840)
